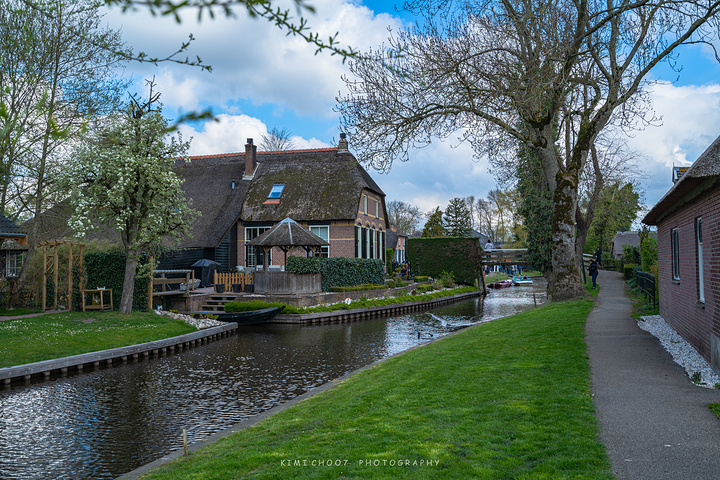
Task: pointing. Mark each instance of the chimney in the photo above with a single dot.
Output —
(342, 144)
(250, 159)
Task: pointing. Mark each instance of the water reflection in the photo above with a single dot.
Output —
(107, 422)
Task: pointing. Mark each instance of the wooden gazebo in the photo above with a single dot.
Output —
(51, 263)
(286, 235)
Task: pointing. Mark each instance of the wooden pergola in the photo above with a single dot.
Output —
(50, 262)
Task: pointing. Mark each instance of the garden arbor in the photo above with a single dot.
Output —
(51, 263)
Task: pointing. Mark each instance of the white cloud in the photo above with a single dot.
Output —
(690, 123)
(227, 135)
(252, 59)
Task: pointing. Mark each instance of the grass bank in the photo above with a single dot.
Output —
(58, 335)
(506, 399)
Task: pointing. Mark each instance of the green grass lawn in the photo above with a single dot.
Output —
(506, 399)
(58, 335)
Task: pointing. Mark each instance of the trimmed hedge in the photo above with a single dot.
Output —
(629, 271)
(303, 265)
(339, 271)
(462, 256)
(108, 270)
(358, 288)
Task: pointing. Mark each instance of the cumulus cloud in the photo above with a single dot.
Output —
(251, 59)
(690, 119)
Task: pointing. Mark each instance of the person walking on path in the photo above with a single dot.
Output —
(598, 256)
(593, 271)
(653, 420)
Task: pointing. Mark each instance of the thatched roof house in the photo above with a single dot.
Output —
(241, 195)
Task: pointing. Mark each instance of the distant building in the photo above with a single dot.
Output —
(621, 239)
(397, 241)
(687, 218)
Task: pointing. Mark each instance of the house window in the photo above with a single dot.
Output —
(675, 246)
(250, 234)
(324, 233)
(358, 242)
(701, 270)
(377, 209)
(365, 210)
(14, 264)
(363, 235)
(372, 243)
(276, 190)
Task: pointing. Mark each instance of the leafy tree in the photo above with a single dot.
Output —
(52, 82)
(550, 77)
(123, 178)
(277, 140)
(405, 216)
(456, 218)
(434, 226)
(617, 207)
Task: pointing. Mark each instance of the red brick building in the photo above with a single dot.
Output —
(688, 222)
(241, 195)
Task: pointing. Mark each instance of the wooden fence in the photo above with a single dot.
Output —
(235, 278)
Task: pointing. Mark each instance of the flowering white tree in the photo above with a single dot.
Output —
(123, 178)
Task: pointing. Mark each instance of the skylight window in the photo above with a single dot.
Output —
(276, 190)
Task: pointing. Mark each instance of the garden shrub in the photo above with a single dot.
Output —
(303, 265)
(339, 271)
(358, 288)
(460, 255)
(421, 278)
(629, 271)
(390, 283)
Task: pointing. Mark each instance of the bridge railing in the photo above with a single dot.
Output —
(506, 256)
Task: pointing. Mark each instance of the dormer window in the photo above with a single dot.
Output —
(276, 191)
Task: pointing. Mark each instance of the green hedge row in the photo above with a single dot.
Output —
(339, 271)
(358, 288)
(108, 270)
(462, 256)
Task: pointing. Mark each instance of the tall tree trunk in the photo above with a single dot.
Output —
(131, 263)
(566, 282)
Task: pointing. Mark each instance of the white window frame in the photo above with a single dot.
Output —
(13, 263)
(322, 231)
(675, 251)
(365, 204)
(250, 234)
(701, 269)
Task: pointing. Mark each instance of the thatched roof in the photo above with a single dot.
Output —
(320, 185)
(288, 233)
(702, 176)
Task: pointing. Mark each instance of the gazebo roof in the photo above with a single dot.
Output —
(288, 233)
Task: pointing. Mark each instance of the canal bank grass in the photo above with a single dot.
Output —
(50, 336)
(506, 399)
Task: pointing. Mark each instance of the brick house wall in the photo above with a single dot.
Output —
(698, 323)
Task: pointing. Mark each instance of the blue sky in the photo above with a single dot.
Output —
(263, 79)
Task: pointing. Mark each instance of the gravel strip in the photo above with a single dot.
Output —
(697, 368)
(198, 323)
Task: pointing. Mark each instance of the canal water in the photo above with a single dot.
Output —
(107, 422)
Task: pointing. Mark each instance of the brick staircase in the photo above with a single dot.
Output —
(215, 303)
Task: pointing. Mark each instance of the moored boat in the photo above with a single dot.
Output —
(251, 317)
(500, 284)
(522, 280)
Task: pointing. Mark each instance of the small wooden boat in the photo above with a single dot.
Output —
(251, 317)
(500, 284)
(522, 280)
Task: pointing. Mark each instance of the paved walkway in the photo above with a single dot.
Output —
(654, 422)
